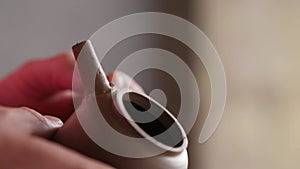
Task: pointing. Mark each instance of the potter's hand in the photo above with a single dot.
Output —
(43, 85)
(22, 143)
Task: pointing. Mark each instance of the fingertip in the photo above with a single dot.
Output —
(54, 122)
(122, 80)
(68, 58)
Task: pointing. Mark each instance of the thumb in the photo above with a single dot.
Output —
(26, 121)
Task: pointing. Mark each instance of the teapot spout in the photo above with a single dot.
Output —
(92, 75)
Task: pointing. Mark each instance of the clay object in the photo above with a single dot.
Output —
(122, 111)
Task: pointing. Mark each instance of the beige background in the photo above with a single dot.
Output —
(259, 43)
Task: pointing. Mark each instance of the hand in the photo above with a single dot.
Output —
(45, 85)
(21, 144)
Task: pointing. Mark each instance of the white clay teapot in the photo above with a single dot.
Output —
(123, 128)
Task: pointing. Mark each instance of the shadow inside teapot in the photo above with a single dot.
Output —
(154, 121)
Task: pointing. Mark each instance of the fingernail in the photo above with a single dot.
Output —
(55, 122)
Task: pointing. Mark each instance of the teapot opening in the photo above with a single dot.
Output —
(154, 120)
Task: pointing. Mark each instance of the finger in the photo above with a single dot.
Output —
(37, 79)
(47, 76)
(59, 105)
(25, 121)
(122, 80)
(36, 153)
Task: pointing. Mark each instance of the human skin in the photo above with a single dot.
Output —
(31, 98)
(23, 143)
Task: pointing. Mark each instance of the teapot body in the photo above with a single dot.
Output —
(76, 135)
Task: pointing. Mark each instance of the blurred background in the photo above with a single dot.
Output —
(259, 45)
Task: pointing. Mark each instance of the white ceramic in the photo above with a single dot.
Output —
(123, 110)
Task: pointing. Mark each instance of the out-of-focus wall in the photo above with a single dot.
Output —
(259, 44)
(35, 28)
